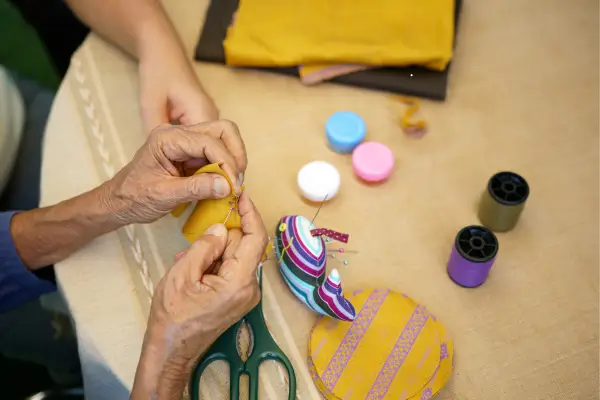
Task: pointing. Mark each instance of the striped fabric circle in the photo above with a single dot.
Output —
(394, 349)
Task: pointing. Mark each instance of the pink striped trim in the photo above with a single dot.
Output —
(352, 339)
(404, 344)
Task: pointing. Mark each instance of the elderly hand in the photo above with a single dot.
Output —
(155, 181)
(212, 285)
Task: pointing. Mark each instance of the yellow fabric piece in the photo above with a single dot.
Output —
(444, 371)
(388, 32)
(352, 360)
(211, 211)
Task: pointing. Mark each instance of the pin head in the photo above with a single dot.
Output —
(282, 227)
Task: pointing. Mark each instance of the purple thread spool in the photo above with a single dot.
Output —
(473, 255)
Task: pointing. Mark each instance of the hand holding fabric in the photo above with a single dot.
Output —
(155, 181)
(212, 285)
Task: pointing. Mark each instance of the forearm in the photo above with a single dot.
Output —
(136, 26)
(161, 374)
(47, 235)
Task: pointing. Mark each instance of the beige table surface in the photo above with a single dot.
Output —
(523, 96)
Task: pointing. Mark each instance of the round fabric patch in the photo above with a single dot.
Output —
(394, 349)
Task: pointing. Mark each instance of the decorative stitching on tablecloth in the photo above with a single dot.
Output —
(96, 134)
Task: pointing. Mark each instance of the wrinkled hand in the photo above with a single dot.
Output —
(155, 181)
(170, 91)
(212, 285)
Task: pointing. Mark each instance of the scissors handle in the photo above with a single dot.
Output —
(224, 349)
(265, 348)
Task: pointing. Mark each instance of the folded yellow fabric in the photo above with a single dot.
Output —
(305, 32)
(210, 211)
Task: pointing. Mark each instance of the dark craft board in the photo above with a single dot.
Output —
(423, 82)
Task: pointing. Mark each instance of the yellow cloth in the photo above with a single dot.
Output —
(385, 32)
(211, 211)
(394, 349)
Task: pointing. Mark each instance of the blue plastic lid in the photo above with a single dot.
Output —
(345, 130)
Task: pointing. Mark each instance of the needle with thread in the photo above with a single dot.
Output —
(321, 205)
(233, 207)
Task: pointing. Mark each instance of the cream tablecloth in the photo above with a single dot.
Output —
(523, 97)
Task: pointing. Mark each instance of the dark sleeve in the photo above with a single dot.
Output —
(18, 285)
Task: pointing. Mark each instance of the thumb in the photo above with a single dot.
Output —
(202, 254)
(200, 187)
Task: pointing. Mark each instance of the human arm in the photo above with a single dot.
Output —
(17, 284)
(208, 289)
(169, 89)
(147, 188)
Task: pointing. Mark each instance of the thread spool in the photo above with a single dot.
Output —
(473, 254)
(503, 201)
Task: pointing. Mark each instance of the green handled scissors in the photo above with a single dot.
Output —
(226, 348)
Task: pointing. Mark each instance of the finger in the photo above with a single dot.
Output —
(195, 164)
(233, 242)
(197, 187)
(229, 134)
(180, 145)
(254, 240)
(202, 254)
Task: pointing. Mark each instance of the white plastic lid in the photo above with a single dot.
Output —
(317, 180)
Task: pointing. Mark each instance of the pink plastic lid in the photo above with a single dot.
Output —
(373, 161)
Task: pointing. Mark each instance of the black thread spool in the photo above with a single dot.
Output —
(503, 201)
